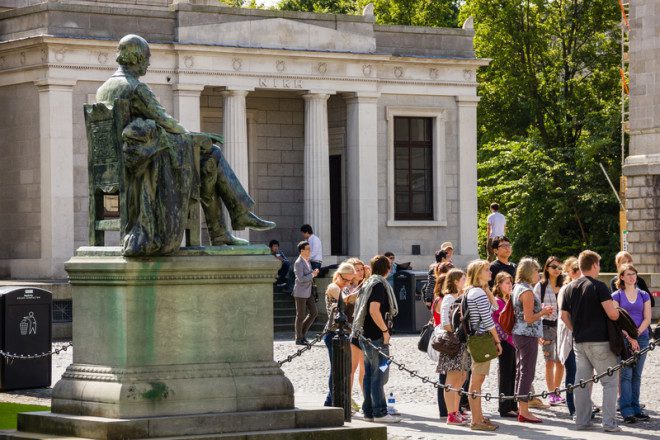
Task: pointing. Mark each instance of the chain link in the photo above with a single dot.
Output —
(9, 357)
(488, 396)
(307, 347)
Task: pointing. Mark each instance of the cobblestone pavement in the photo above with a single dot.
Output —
(416, 400)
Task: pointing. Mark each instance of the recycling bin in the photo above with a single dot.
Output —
(413, 313)
(25, 329)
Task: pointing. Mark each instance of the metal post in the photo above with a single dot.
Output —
(341, 364)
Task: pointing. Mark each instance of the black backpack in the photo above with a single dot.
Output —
(460, 318)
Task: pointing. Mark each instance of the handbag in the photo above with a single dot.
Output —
(507, 317)
(482, 347)
(425, 337)
(446, 343)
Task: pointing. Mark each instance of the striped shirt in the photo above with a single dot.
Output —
(480, 310)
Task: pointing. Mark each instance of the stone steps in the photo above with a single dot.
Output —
(284, 315)
(319, 423)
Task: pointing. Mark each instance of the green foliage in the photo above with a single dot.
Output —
(549, 114)
(252, 4)
(437, 13)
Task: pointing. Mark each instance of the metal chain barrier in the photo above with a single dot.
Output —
(9, 357)
(307, 347)
(488, 396)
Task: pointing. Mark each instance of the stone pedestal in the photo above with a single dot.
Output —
(177, 346)
(184, 334)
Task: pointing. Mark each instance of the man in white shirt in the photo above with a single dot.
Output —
(316, 248)
(496, 228)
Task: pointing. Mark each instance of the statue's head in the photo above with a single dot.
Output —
(133, 53)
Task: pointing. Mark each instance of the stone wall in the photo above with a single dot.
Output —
(643, 203)
(642, 166)
(20, 174)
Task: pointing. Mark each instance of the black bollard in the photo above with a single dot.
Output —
(341, 364)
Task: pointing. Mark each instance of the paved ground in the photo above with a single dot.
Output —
(416, 400)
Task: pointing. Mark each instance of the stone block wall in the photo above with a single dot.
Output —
(20, 174)
(643, 204)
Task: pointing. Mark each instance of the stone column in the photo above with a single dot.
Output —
(361, 173)
(234, 129)
(56, 157)
(316, 169)
(187, 105)
(467, 174)
(187, 111)
(642, 166)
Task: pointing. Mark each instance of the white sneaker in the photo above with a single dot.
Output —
(387, 419)
(613, 429)
(392, 411)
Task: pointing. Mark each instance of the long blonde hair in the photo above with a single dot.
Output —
(357, 262)
(473, 271)
(344, 268)
(526, 269)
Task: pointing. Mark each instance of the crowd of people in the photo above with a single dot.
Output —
(497, 310)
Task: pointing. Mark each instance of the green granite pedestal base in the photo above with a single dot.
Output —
(161, 336)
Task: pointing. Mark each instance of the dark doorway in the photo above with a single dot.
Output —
(335, 205)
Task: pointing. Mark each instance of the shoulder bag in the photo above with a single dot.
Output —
(425, 336)
(446, 343)
(482, 348)
(507, 317)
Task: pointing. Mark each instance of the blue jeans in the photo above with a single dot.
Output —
(631, 380)
(374, 404)
(328, 343)
(571, 370)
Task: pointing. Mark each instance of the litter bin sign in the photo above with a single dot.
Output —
(25, 329)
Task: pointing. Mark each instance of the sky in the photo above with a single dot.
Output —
(268, 3)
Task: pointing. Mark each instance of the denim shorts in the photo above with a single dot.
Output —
(549, 346)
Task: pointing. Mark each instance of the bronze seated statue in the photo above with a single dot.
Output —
(162, 171)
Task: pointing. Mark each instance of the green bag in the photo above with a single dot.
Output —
(482, 348)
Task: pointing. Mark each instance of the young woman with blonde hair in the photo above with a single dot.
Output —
(480, 302)
(341, 281)
(527, 330)
(357, 356)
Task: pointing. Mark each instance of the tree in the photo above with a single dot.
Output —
(549, 114)
(437, 13)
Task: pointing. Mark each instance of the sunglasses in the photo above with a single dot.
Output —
(347, 280)
(555, 266)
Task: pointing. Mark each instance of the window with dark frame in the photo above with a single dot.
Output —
(413, 168)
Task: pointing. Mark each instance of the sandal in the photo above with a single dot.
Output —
(483, 427)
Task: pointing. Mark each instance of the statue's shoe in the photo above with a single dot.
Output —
(228, 239)
(251, 221)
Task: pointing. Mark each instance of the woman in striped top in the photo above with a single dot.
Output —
(480, 303)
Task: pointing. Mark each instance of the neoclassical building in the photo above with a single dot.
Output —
(366, 132)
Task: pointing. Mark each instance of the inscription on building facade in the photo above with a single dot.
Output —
(280, 83)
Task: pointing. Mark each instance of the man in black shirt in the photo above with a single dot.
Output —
(502, 249)
(586, 307)
(377, 329)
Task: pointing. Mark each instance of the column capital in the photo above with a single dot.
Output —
(361, 96)
(467, 100)
(235, 91)
(188, 89)
(55, 84)
(317, 95)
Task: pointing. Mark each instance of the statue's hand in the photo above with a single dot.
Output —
(202, 141)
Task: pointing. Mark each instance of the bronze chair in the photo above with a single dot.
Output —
(106, 172)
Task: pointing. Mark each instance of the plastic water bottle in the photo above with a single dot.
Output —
(391, 401)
